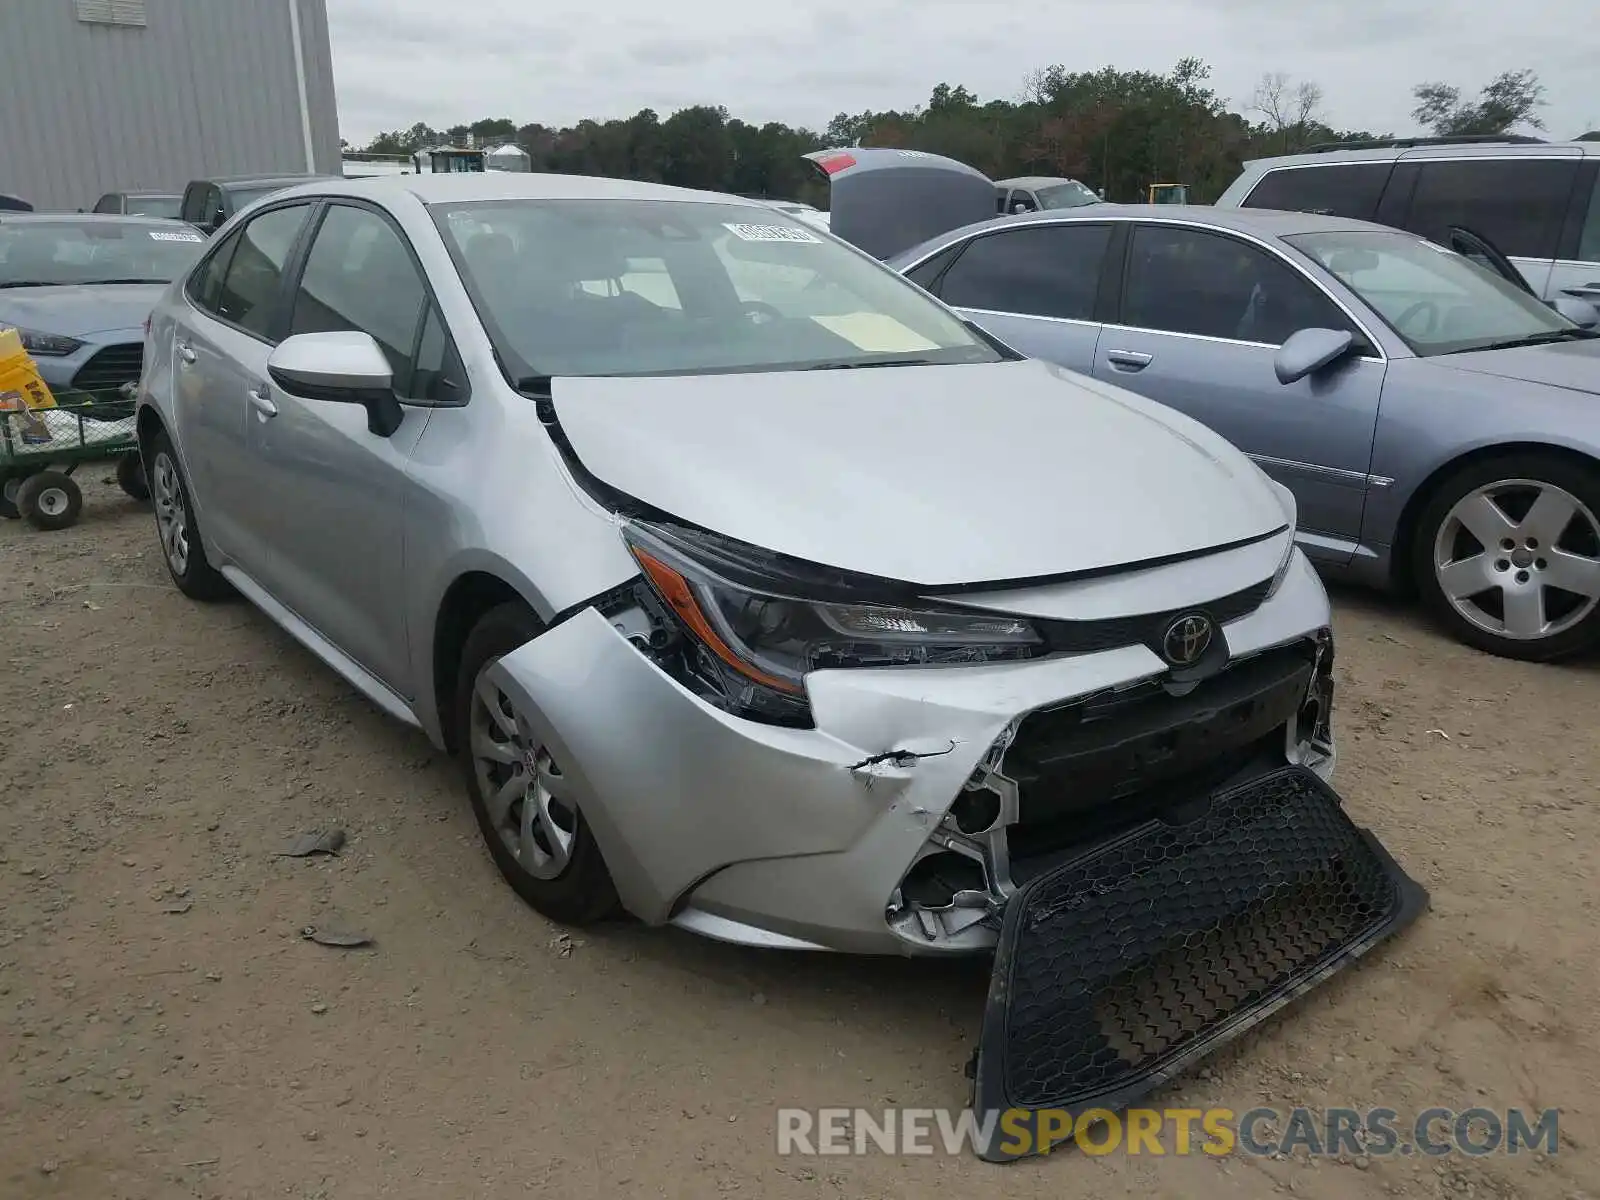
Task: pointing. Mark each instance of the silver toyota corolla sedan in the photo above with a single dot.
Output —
(1435, 420)
(760, 594)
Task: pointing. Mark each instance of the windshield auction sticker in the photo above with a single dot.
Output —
(161, 235)
(769, 233)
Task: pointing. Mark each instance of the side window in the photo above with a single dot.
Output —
(1589, 235)
(106, 204)
(359, 275)
(439, 375)
(1345, 190)
(205, 285)
(1183, 280)
(190, 208)
(1042, 271)
(1517, 204)
(1023, 200)
(925, 273)
(251, 288)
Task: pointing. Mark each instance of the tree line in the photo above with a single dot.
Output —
(1117, 131)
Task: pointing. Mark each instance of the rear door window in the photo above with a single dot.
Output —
(1038, 271)
(1339, 190)
(1518, 204)
(253, 285)
(1589, 234)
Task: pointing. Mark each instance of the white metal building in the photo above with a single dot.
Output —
(99, 96)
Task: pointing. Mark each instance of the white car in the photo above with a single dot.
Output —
(762, 595)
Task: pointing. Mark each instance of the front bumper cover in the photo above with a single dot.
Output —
(1118, 968)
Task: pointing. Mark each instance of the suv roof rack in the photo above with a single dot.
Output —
(1465, 139)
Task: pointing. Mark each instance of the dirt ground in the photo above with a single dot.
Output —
(165, 1031)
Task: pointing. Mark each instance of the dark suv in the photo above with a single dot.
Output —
(208, 203)
(1536, 202)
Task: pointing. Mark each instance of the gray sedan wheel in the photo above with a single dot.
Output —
(1509, 556)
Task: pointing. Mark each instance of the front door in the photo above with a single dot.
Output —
(1201, 317)
(1034, 287)
(338, 491)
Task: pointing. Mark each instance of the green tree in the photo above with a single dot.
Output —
(1512, 98)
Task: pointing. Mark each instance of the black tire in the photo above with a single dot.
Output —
(10, 485)
(196, 577)
(583, 892)
(1575, 478)
(50, 500)
(130, 476)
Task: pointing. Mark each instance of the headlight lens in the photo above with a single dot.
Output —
(769, 640)
(48, 345)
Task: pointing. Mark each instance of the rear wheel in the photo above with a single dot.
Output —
(49, 500)
(9, 487)
(1507, 555)
(181, 545)
(534, 831)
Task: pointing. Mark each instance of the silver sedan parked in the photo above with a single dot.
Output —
(1436, 422)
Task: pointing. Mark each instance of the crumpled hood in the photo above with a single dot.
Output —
(1571, 365)
(934, 475)
(78, 309)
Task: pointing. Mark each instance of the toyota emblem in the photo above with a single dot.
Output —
(1186, 639)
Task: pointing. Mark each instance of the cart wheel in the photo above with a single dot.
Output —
(130, 476)
(8, 498)
(49, 500)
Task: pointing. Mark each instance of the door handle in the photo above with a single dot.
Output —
(262, 403)
(1129, 360)
(1585, 291)
(186, 353)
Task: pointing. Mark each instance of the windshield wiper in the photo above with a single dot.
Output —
(872, 362)
(29, 283)
(1550, 337)
(98, 282)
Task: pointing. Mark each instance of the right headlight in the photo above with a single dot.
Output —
(763, 637)
(47, 345)
(1291, 515)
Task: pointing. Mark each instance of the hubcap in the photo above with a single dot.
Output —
(1519, 559)
(521, 786)
(172, 519)
(52, 502)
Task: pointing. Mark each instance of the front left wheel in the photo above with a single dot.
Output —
(525, 810)
(181, 545)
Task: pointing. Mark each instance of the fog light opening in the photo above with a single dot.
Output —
(976, 810)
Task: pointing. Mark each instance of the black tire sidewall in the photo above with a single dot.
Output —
(43, 481)
(1571, 476)
(199, 580)
(584, 892)
(131, 477)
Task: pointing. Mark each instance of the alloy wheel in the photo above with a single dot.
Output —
(1520, 559)
(521, 785)
(172, 517)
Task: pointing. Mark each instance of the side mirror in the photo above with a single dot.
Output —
(345, 367)
(1580, 312)
(1309, 351)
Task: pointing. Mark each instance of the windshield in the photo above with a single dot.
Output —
(1071, 194)
(623, 287)
(1438, 301)
(33, 253)
(155, 206)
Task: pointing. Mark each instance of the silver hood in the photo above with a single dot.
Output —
(76, 310)
(935, 475)
(1574, 366)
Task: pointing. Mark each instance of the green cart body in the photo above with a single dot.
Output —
(36, 481)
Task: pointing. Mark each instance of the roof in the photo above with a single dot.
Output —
(1261, 222)
(1035, 181)
(225, 181)
(1574, 149)
(146, 192)
(466, 186)
(75, 218)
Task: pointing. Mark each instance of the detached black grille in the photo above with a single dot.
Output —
(1120, 966)
(1084, 637)
(110, 368)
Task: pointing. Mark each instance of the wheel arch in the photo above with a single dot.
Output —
(147, 423)
(469, 596)
(1402, 557)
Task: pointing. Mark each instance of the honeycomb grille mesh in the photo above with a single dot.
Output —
(1126, 958)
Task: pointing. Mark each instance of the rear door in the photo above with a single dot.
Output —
(1519, 203)
(1576, 272)
(1035, 286)
(232, 324)
(1201, 315)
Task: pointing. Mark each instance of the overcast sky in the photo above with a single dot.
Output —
(557, 61)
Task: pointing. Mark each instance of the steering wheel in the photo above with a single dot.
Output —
(1417, 309)
(760, 312)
